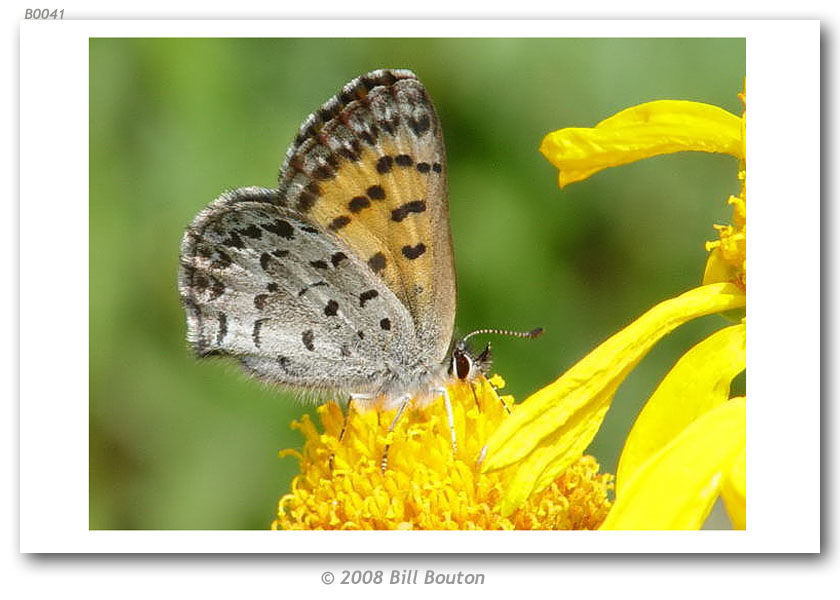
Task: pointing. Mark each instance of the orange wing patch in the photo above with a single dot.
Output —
(372, 171)
(380, 209)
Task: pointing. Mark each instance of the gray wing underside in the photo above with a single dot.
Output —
(287, 299)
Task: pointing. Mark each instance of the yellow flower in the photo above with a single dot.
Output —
(687, 445)
(728, 254)
(426, 486)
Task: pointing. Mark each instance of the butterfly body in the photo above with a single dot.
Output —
(341, 281)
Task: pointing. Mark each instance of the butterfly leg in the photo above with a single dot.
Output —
(349, 408)
(450, 417)
(347, 420)
(405, 400)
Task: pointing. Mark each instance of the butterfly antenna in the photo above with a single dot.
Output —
(520, 334)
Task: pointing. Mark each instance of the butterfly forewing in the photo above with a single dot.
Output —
(370, 167)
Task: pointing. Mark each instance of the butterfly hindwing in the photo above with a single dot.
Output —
(370, 167)
(291, 301)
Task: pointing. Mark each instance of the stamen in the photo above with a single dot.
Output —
(343, 429)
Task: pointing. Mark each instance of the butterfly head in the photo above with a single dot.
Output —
(466, 365)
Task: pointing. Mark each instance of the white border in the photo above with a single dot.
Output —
(783, 356)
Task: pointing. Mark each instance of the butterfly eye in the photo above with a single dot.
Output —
(462, 365)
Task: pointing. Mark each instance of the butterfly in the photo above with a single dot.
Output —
(341, 281)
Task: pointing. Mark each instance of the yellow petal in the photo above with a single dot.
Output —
(642, 131)
(698, 382)
(734, 491)
(717, 267)
(544, 412)
(677, 486)
(551, 427)
(550, 460)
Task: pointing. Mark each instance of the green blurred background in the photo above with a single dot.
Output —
(180, 444)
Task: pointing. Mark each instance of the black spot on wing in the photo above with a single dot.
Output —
(252, 231)
(336, 258)
(401, 212)
(384, 164)
(280, 227)
(260, 301)
(308, 340)
(214, 287)
(234, 241)
(339, 222)
(375, 192)
(367, 295)
(377, 262)
(412, 252)
(305, 201)
(223, 327)
(323, 172)
(358, 204)
(255, 334)
(307, 197)
(420, 126)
